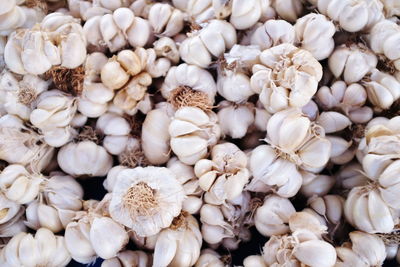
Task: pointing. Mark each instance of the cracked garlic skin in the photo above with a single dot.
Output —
(287, 77)
(192, 132)
(146, 199)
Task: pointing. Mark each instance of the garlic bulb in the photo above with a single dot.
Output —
(350, 99)
(391, 8)
(117, 30)
(211, 41)
(14, 225)
(289, 10)
(58, 40)
(383, 89)
(127, 258)
(273, 33)
(43, 249)
(165, 19)
(189, 85)
(87, 9)
(368, 13)
(84, 158)
(18, 184)
(180, 244)
(333, 121)
(59, 198)
(9, 209)
(351, 175)
(197, 10)
(272, 217)
(254, 261)
(21, 145)
(146, 199)
(20, 94)
(363, 250)
(328, 208)
(53, 114)
(235, 119)
(287, 77)
(315, 33)
(209, 258)
(245, 14)
(166, 47)
(225, 175)
(316, 185)
(383, 39)
(352, 61)
(192, 132)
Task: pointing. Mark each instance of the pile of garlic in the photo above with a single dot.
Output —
(222, 133)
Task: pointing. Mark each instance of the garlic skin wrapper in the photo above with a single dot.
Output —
(382, 88)
(59, 199)
(363, 250)
(287, 77)
(165, 19)
(383, 39)
(235, 119)
(21, 145)
(273, 33)
(272, 217)
(84, 158)
(43, 249)
(116, 130)
(288, 10)
(352, 16)
(146, 199)
(53, 114)
(192, 132)
(20, 94)
(57, 40)
(225, 175)
(211, 41)
(19, 185)
(180, 244)
(117, 30)
(134, 258)
(352, 62)
(350, 99)
(315, 33)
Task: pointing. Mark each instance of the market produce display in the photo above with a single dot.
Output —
(178, 133)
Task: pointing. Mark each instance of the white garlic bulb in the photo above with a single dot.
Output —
(86, 9)
(315, 33)
(391, 8)
(333, 121)
(211, 41)
(84, 158)
(197, 10)
(209, 258)
(351, 175)
(235, 119)
(135, 258)
(289, 10)
(9, 209)
(165, 19)
(192, 132)
(115, 31)
(272, 33)
(146, 199)
(287, 77)
(353, 62)
(166, 47)
(244, 14)
(316, 184)
(328, 207)
(225, 175)
(43, 249)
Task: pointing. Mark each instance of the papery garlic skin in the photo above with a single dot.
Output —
(287, 77)
(159, 201)
(352, 61)
(211, 41)
(272, 33)
(235, 120)
(35, 50)
(115, 31)
(43, 249)
(135, 258)
(369, 12)
(84, 159)
(225, 175)
(180, 244)
(315, 33)
(192, 132)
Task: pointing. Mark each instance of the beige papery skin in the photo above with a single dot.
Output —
(180, 244)
(352, 15)
(224, 176)
(15, 15)
(87, 9)
(193, 131)
(210, 42)
(314, 32)
(117, 30)
(363, 250)
(209, 258)
(273, 32)
(3, 41)
(42, 249)
(86, 238)
(383, 39)
(57, 40)
(352, 62)
(129, 258)
(287, 77)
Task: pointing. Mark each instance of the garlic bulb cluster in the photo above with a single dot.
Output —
(136, 258)
(235, 119)
(165, 19)
(287, 77)
(272, 33)
(57, 40)
(87, 9)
